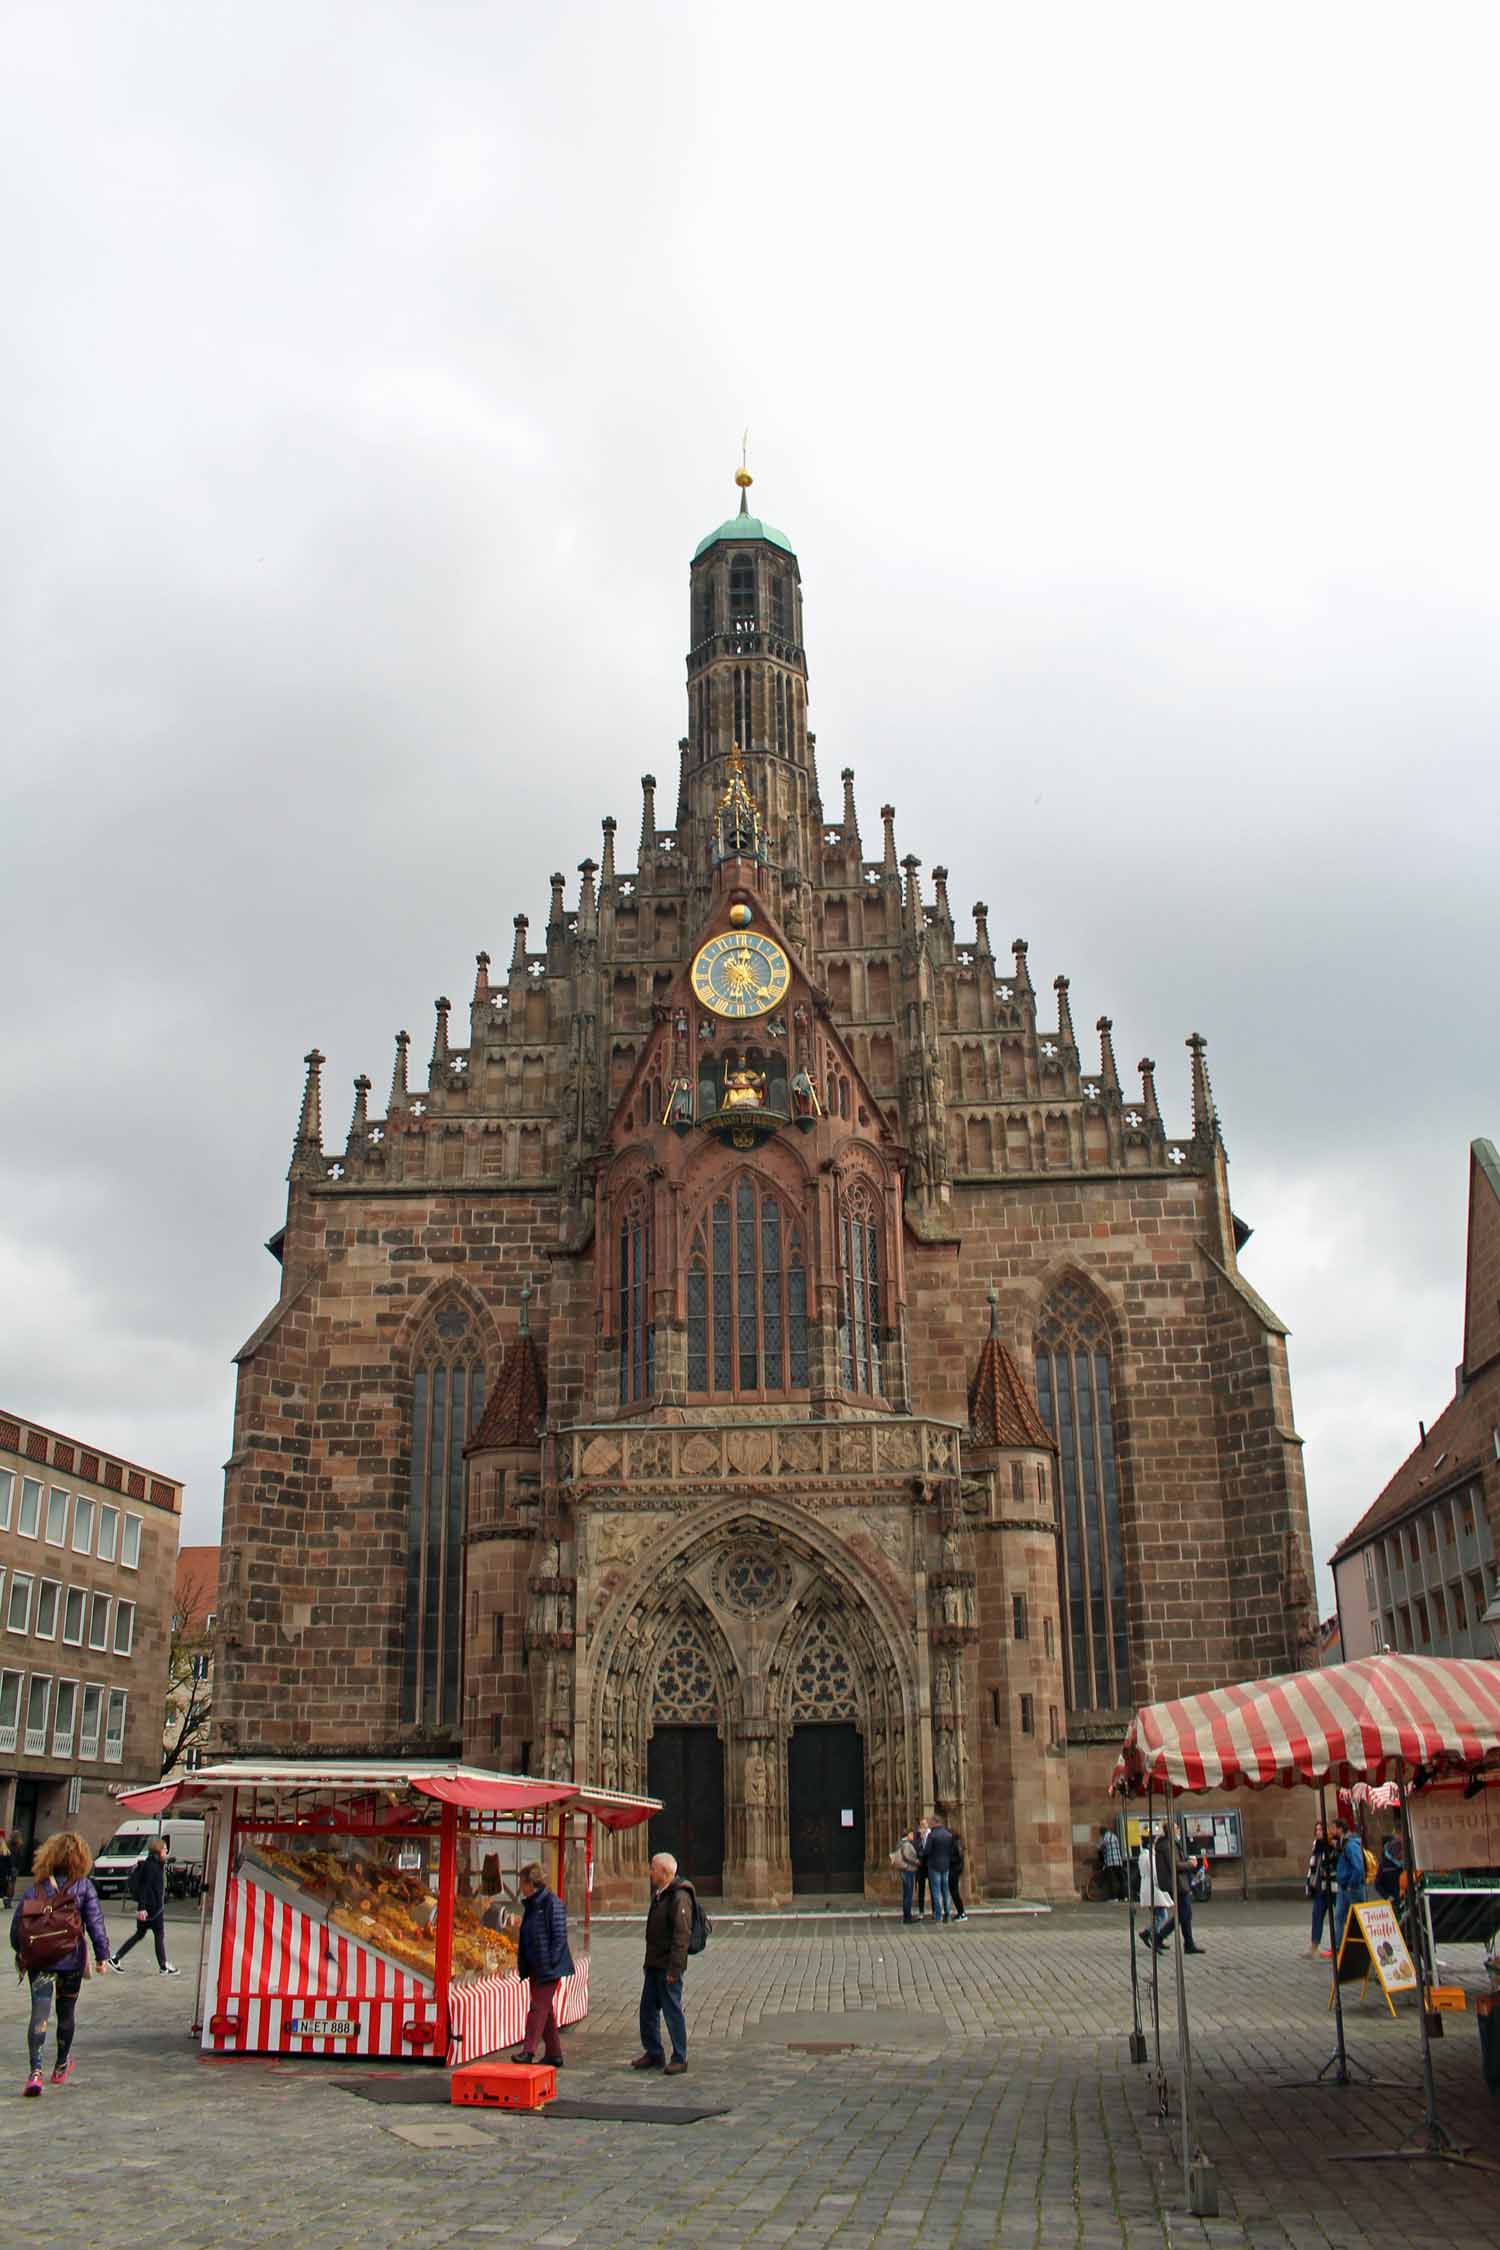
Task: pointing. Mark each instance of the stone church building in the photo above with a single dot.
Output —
(770, 1361)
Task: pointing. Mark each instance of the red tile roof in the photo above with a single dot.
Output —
(517, 1406)
(1001, 1407)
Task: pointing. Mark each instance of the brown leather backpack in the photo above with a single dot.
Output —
(51, 1929)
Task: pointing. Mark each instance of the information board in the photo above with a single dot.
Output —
(1373, 1940)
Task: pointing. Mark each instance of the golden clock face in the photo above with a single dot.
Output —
(740, 974)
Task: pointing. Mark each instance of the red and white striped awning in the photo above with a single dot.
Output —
(1344, 1723)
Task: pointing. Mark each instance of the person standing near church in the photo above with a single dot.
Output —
(1349, 1875)
(1111, 1861)
(148, 1887)
(937, 1857)
(669, 1930)
(907, 1861)
(542, 1956)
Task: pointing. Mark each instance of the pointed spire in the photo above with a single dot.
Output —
(909, 867)
(1002, 1410)
(1205, 1116)
(1149, 1104)
(440, 1034)
(992, 1299)
(648, 816)
(526, 1308)
(359, 1123)
(587, 912)
(1019, 948)
(516, 1412)
(743, 478)
(398, 1098)
(1065, 1034)
(307, 1149)
(851, 817)
(556, 912)
(940, 892)
(481, 978)
(888, 823)
(982, 930)
(1109, 1076)
(607, 870)
(518, 949)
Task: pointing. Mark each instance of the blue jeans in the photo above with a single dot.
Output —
(937, 1888)
(1352, 1896)
(1320, 1911)
(908, 1891)
(660, 1996)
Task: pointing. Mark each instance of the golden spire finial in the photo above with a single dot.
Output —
(742, 476)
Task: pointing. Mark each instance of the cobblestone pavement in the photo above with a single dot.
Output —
(979, 2091)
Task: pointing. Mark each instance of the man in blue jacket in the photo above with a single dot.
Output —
(1349, 1874)
(542, 1956)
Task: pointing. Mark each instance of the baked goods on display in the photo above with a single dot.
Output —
(390, 1909)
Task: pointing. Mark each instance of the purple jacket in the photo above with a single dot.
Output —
(93, 1923)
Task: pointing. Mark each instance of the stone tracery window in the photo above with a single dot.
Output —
(751, 1580)
(1075, 1393)
(686, 1692)
(746, 1298)
(822, 1676)
(447, 1397)
(636, 1330)
(859, 1281)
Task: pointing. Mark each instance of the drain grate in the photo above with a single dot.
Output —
(820, 2046)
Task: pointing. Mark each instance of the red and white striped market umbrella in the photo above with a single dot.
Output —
(1344, 1723)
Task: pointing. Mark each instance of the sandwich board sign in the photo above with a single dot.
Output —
(1373, 1941)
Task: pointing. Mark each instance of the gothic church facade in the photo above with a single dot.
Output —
(770, 1362)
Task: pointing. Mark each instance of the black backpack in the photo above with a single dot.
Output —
(702, 1929)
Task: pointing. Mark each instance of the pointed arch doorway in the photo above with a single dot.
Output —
(685, 1757)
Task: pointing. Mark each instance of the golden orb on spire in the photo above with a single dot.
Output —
(743, 479)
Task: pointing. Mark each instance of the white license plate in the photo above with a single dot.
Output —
(322, 2027)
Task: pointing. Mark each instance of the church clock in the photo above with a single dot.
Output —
(741, 974)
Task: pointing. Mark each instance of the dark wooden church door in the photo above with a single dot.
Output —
(826, 1800)
(685, 1768)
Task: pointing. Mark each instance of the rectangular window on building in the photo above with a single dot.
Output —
(1419, 1620)
(10, 1710)
(114, 1727)
(88, 1723)
(497, 1635)
(98, 1621)
(1047, 1635)
(109, 1531)
(124, 1627)
(7, 1496)
(18, 1602)
(130, 1543)
(73, 1617)
(48, 1596)
(57, 1517)
(29, 1521)
(1018, 1616)
(1053, 1733)
(1028, 1717)
(38, 1698)
(83, 1525)
(63, 1717)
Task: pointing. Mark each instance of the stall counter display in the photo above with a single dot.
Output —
(390, 1910)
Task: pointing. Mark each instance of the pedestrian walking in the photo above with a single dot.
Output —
(1316, 1885)
(1156, 1888)
(148, 1887)
(922, 1829)
(937, 1857)
(907, 1861)
(56, 1923)
(669, 1933)
(955, 1869)
(7, 1872)
(1349, 1874)
(1186, 1868)
(1111, 1862)
(542, 1955)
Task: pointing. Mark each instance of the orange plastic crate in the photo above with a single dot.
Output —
(508, 2085)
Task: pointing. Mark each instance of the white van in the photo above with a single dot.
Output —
(184, 1838)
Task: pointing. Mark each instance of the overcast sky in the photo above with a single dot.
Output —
(1126, 381)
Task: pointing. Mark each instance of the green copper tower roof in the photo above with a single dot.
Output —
(744, 525)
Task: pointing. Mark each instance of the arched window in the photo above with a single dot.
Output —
(1074, 1392)
(637, 1332)
(746, 1298)
(447, 1397)
(859, 1277)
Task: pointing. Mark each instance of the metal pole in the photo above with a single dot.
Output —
(1137, 2035)
(1341, 2075)
(1199, 2186)
(1436, 2137)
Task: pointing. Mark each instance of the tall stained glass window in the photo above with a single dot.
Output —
(859, 1276)
(637, 1334)
(746, 1298)
(1075, 1393)
(447, 1397)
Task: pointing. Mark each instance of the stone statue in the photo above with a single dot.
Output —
(755, 1779)
(744, 1088)
(945, 1759)
(952, 1605)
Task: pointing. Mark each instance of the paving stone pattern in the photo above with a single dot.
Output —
(981, 2093)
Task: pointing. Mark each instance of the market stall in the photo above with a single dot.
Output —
(1410, 1719)
(368, 1906)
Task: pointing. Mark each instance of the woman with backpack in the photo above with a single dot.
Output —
(57, 1921)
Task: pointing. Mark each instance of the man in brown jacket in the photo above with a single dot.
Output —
(669, 1925)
